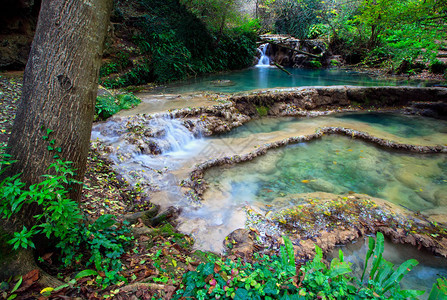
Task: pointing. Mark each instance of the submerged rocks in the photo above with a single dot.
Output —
(436, 109)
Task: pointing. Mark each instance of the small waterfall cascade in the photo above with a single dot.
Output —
(147, 149)
(173, 135)
(153, 135)
(264, 61)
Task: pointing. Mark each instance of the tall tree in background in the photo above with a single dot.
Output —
(59, 92)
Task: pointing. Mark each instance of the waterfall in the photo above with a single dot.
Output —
(264, 61)
(138, 134)
(174, 136)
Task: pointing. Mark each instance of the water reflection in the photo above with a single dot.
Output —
(271, 77)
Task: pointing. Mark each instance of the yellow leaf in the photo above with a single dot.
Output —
(334, 162)
(305, 181)
(46, 290)
(350, 150)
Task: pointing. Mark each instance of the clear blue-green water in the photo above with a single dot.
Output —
(407, 126)
(400, 125)
(263, 78)
(337, 165)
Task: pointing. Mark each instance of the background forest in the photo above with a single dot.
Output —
(161, 41)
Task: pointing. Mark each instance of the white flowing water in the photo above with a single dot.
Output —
(160, 175)
(133, 158)
(264, 60)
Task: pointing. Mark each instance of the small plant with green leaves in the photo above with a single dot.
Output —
(58, 212)
(81, 245)
(315, 64)
(108, 105)
(262, 279)
(100, 245)
(280, 278)
(262, 110)
(322, 282)
(383, 279)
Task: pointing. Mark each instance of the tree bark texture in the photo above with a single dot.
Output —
(59, 88)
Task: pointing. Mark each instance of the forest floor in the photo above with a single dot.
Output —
(153, 266)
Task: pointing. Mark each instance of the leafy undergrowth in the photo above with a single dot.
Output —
(279, 277)
(103, 260)
(107, 105)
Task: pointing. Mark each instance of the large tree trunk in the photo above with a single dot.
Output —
(59, 91)
(59, 88)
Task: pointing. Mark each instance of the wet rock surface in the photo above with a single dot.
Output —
(328, 220)
(436, 109)
(241, 241)
(288, 51)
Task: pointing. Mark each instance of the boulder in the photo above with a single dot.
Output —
(240, 241)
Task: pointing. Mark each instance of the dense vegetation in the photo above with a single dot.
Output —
(169, 42)
(401, 36)
(161, 41)
(281, 278)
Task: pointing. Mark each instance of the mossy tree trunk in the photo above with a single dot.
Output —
(59, 92)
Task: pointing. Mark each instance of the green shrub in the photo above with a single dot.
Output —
(99, 244)
(58, 212)
(262, 110)
(334, 62)
(108, 68)
(296, 17)
(315, 64)
(174, 44)
(108, 105)
(279, 278)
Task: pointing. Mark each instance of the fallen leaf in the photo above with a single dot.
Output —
(47, 291)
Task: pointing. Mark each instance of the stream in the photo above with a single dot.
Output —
(332, 164)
